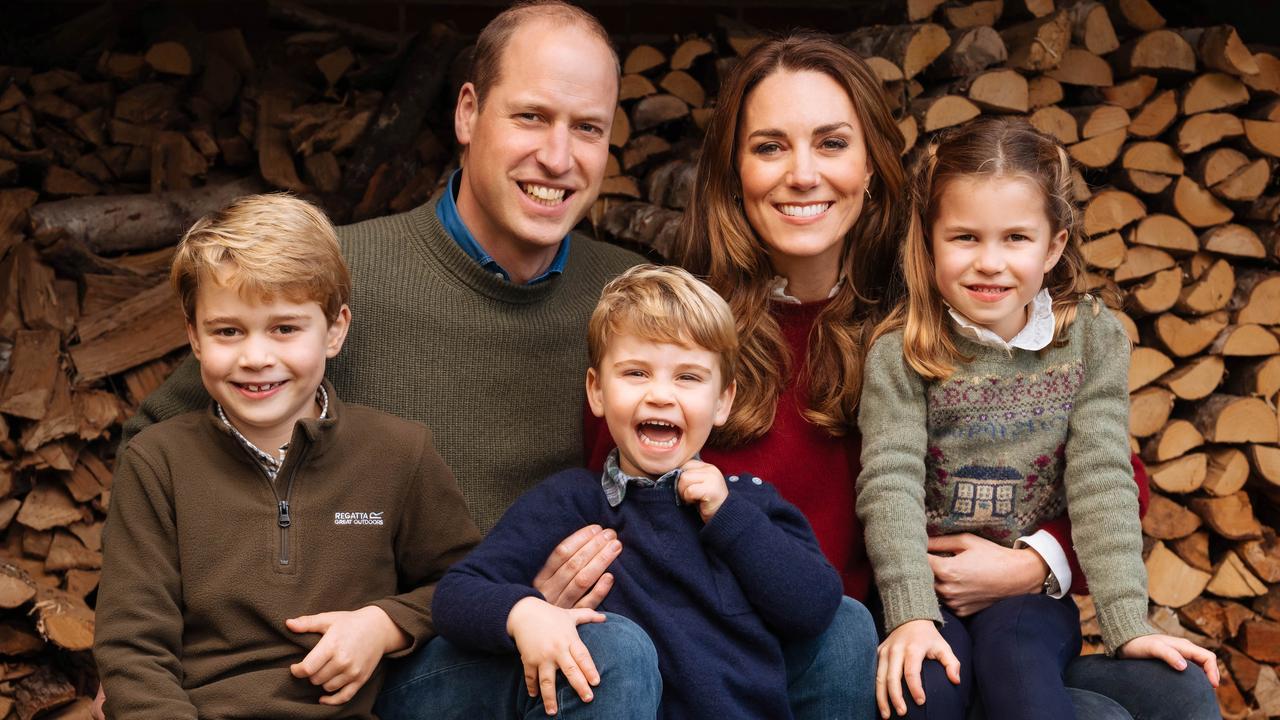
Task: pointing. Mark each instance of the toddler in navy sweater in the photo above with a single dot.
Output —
(717, 571)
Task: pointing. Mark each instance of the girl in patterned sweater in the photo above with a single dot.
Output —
(994, 399)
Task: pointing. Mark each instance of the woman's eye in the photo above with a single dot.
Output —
(835, 144)
(768, 148)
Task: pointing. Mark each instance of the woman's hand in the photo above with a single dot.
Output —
(1173, 650)
(978, 572)
(574, 576)
(900, 657)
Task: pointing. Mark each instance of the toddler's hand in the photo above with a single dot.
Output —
(703, 483)
(547, 638)
(349, 650)
(1173, 650)
(900, 657)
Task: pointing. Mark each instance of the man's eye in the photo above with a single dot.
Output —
(590, 129)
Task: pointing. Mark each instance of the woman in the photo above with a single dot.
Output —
(796, 220)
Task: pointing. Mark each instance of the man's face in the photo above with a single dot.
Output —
(536, 149)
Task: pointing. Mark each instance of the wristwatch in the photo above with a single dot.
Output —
(1050, 586)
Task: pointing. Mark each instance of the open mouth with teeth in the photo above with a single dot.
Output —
(805, 210)
(988, 292)
(258, 388)
(659, 434)
(545, 194)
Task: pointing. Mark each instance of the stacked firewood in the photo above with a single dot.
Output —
(109, 148)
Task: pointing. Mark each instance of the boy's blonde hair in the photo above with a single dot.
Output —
(263, 246)
(664, 304)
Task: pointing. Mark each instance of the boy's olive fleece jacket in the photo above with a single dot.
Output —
(496, 370)
(202, 565)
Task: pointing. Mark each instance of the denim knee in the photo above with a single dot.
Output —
(626, 659)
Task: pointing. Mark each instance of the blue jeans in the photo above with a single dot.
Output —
(442, 681)
(829, 677)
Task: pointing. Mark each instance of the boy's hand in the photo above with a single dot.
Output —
(1173, 650)
(900, 657)
(351, 646)
(547, 638)
(574, 576)
(703, 483)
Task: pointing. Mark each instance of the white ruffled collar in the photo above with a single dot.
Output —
(1035, 335)
(778, 290)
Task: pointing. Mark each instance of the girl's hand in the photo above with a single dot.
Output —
(900, 657)
(1173, 650)
(547, 638)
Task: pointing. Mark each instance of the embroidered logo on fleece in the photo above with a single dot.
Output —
(357, 518)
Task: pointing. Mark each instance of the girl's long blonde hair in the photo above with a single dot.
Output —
(987, 147)
(717, 242)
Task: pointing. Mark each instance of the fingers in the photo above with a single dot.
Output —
(948, 543)
(882, 679)
(911, 674)
(1200, 656)
(342, 697)
(314, 660)
(949, 661)
(310, 623)
(592, 600)
(530, 678)
(574, 673)
(96, 711)
(582, 656)
(547, 686)
(893, 680)
(570, 580)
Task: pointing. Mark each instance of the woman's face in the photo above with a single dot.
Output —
(802, 162)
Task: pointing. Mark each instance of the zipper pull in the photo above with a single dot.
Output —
(284, 521)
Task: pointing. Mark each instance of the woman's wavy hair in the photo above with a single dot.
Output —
(717, 242)
(985, 148)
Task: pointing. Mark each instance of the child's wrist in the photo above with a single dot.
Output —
(392, 638)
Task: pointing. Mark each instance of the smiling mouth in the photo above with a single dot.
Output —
(259, 387)
(988, 292)
(804, 210)
(659, 434)
(545, 194)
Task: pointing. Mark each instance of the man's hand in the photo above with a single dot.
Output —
(1173, 650)
(349, 650)
(574, 576)
(547, 638)
(900, 657)
(703, 483)
(979, 572)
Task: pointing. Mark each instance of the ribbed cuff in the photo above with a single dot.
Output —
(909, 600)
(1123, 621)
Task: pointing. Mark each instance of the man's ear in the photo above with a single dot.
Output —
(595, 393)
(337, 333)
(725, 403)
(465, 114)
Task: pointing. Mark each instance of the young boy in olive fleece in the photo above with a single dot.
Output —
(261, 556)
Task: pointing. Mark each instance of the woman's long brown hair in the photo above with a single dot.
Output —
(718, 243)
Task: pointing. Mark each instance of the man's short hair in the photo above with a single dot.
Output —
(486, 63)
(264, 246)
(664, 304)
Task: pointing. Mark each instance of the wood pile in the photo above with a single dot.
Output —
(111, 143)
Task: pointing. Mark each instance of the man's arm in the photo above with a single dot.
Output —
(181, 392)
(138, 643)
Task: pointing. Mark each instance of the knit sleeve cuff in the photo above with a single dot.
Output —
(907, 601)
(1122, 621)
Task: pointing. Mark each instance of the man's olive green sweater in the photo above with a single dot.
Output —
(496, 370)
(202, 563)
(1010, 440)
